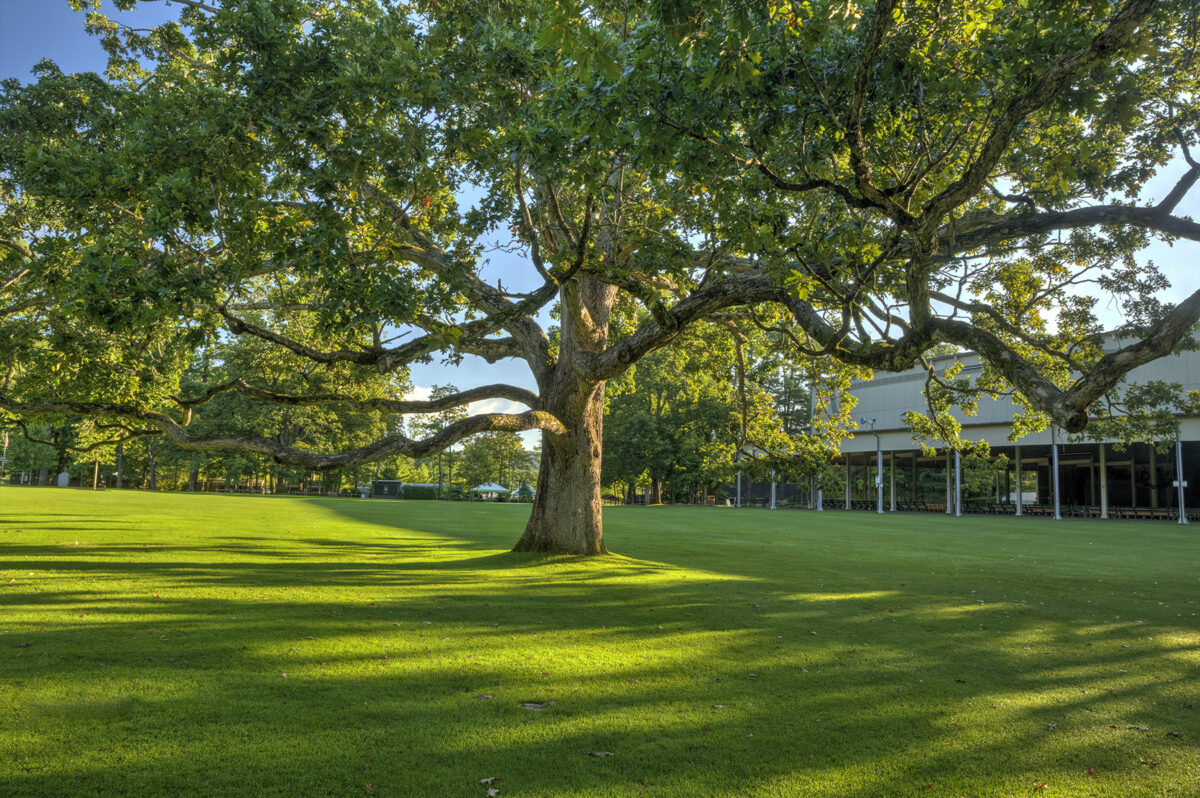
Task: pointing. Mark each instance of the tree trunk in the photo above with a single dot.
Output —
(565, 518)
(655, 491)
(193, 478)
(566, 513)
(43, 476)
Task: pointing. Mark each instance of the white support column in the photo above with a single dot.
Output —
(1180, 482)
(1103, 480)
(820, 497)
(847, 505)
(772, 489)
(892, 476)
(1054, 468)
(957, 483)
(1020, 483)
(739, 488)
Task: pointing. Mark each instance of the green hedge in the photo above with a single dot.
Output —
(417, 492)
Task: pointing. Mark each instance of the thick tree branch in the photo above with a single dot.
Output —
(881, 21)
(535, 344)
(16, 246)
(470, 338)
(130, 434)
(1160, 340)
(1020, 225)
(400, 407)
(732, 290)
(285, 455)
(194, 4)
(1101, 48)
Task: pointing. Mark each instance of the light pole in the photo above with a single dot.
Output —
(1180, 482)
(878, 465)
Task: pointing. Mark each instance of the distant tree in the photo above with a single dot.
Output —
(678, 418)
(498, 457)
(434, 422)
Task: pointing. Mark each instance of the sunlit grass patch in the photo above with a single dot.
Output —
(204, 645)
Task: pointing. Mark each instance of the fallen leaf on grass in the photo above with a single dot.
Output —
(368, 789)
(1040, 785)
(537, 706)
(24, 645)
(599, 754)
(1150, 763)
(489, 780)
(493, 791)
(1092, 772)
(484, 697)
(365, 767)
(718, 706)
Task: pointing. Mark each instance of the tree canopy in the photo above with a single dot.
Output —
(331, 179)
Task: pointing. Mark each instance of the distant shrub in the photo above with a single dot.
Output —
(418, 492)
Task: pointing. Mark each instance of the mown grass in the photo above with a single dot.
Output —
(211, 645)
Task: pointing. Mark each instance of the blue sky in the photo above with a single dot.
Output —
(31, 30)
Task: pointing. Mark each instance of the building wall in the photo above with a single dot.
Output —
(887, 397)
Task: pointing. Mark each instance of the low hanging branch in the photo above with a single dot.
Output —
(287, 455)
(398, 407)
(130, 434)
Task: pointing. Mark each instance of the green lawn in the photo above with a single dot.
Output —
(162, 645)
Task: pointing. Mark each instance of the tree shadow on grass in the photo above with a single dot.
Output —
(235, 666)
(704, 686)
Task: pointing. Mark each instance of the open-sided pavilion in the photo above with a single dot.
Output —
(1046, 473)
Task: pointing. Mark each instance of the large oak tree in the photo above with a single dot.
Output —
(330, 178)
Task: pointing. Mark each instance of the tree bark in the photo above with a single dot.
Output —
(566, 514)
(656, 486)
(193, 478)
(120, 465)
